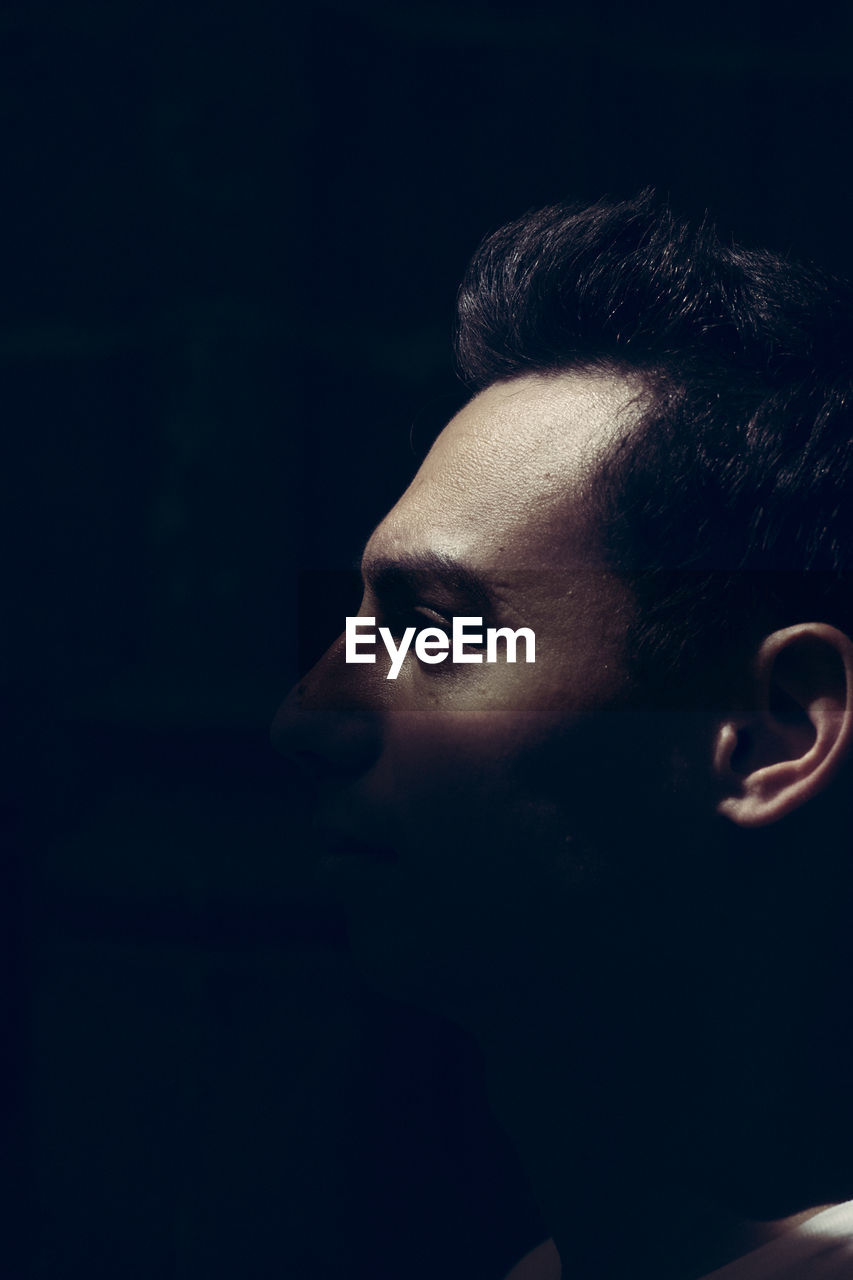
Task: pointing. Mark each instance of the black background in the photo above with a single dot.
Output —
(232, 235)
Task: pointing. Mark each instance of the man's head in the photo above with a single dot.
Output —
(731, 504)
(631, 855)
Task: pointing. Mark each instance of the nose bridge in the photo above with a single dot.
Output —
(329, 724)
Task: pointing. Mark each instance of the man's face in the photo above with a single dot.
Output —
(477, 811)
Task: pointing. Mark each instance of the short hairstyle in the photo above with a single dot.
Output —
(730, 505)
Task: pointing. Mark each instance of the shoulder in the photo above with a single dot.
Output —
(542, 1263)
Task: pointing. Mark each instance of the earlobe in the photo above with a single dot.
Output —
(799, 734)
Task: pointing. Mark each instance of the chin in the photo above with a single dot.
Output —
(401, 965)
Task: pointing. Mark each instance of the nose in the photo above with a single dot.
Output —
(328, 726)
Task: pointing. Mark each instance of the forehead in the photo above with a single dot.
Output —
(502, 482)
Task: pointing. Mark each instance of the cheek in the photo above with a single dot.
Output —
(510, 861)
(473, 759)
(454, 766)
(490, 809)
(521, 805)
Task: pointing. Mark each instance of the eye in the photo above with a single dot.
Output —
(417, 616)
(423, 616)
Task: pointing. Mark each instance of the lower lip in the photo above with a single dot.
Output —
(347, 876)
(342, 852)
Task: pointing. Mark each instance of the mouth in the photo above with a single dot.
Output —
(336, 848)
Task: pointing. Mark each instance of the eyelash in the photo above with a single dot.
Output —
(418, 616)
(432, 618)
(421, 616)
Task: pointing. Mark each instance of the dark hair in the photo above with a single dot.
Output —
(731, 504)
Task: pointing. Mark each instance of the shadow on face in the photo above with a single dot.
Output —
(473, 810)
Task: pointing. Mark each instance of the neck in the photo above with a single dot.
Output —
(613, 1205)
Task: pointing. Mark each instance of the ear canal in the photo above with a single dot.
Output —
(738, 760)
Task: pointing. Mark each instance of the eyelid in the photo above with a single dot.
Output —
(443, 623)
(403, 614)
(418, 615)
(433, 616)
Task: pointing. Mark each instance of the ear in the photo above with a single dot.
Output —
(789, 748)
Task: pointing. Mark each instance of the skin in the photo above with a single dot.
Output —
(523, 847)
(427, 756)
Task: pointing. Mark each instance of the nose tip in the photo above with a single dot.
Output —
(323, 729)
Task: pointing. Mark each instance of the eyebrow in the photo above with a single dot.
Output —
(389, 575)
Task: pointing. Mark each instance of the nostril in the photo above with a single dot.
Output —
(326, 745)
